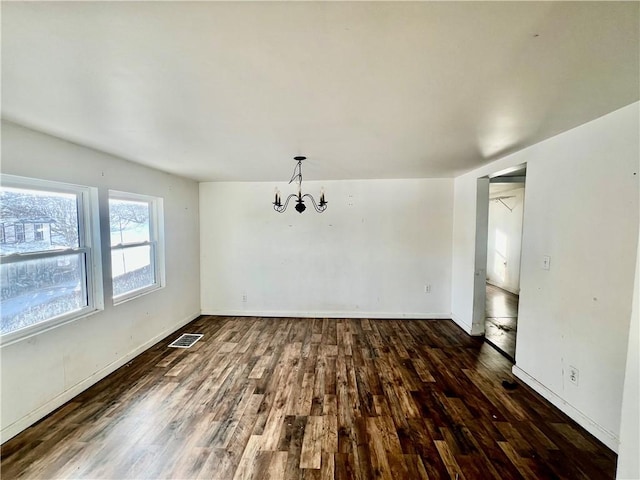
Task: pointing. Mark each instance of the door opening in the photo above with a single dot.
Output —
(498, 251)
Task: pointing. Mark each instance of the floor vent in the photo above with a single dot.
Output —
(186, 340)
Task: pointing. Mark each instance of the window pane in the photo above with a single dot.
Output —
(37, 290)
(35, 220)
(131, 269)
(129, 221)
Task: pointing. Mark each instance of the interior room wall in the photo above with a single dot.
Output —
(42, 372)
(581, 209)
(370, 254)
(505, 236)
(628, 456)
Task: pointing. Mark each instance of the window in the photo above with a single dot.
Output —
(137, 254)
(10, 233)
(20, 232)
(38, 232)
(48, 279)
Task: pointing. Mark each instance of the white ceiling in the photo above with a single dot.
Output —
(233, 90)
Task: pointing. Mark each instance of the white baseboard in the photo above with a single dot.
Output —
(461, 323)
(506, 289)
(334, 314)
(474, 331)
(29, 419)
(607, 437)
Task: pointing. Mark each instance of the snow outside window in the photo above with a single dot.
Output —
(137, 256)
(50, 270)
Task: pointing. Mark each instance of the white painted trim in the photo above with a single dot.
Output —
(607, 437)
(477, 330)
(156, 242)
(506, 289)
(335, 314)
(23, 423)
(474, 331)
(89, 246)
(461, 323)
(480, 258)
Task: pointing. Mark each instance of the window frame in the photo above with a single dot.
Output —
(155, 242)
(88, 249)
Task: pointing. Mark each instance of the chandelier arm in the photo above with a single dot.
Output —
(320, 208)
(282, 208)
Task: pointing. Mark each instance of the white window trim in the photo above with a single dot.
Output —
(89, 245)
(156, 241)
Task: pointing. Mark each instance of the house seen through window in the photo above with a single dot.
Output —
(46, 272)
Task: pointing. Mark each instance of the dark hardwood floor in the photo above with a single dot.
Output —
(501, 322)
(301, 398)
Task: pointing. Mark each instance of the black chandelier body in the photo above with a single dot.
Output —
(300, 206)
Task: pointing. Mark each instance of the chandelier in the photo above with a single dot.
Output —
(300, 206)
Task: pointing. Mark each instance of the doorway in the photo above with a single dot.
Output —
(504, 242)
(498, 248)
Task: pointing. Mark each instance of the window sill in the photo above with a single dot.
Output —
(42, 327)
(132, 295)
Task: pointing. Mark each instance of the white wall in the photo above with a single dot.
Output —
(42, 372)
(369, 254)
(503, 267)
(629, 454)
(581, 208)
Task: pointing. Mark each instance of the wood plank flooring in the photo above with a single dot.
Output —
(310, 399)
(501, 322)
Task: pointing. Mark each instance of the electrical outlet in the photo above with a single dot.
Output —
(574, 375)
(427, 288)
(244, 298)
